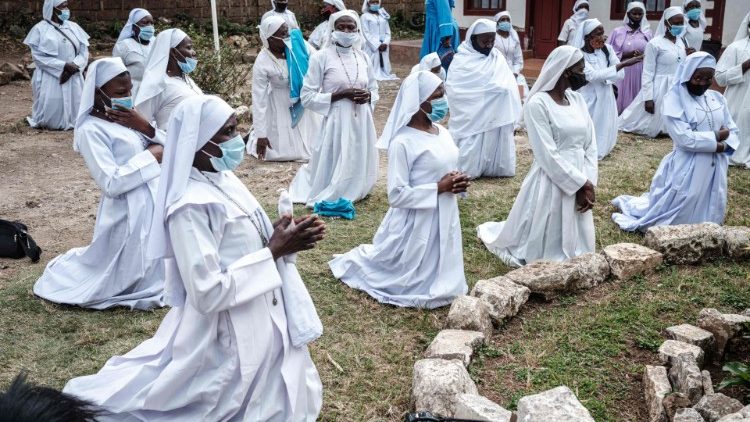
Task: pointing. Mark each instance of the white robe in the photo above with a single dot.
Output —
(690, 185)
(693, 37)
(320, 35)
(511, 49)
(729, 74)
(600, 97)
(344, 161)
(113, 269)
(660, 63)
(288, 16)
(159, 108)
(544, 223)
(271, 117)
(568, 32)
(416, 259)
(376, 31)
(225, 354)
(56, 106)
(134, 55)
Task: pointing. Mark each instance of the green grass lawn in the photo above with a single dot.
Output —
(596, 342)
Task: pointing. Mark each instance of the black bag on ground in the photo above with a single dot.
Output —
(15, 242)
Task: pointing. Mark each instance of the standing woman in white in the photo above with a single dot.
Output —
(60, 49)
(319, 37)
(603, 69)
(377, 33)
(485, 105)
(508, 44)
(340, 86)
(122, 152)
(551, 219)
(663, 55)
(571, 25)
(134, 44)
(166, 81)
(224, 352)
(280, 8)
(696, 25)
(416, 259)
(732, 72)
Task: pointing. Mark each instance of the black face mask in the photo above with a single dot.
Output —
(697, 90)
(281, 7)
(635, 24)
(577, 81)
(485, 51)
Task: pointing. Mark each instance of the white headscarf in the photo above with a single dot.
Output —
(428, 63)
(382, 12)
(742, 32)
(586, 28)
(702, 20)
(669, 13)
(578, 21)
(332, 26)
(135, 16)
(415, 90)
(513, 33)
(268, 27)
(338, 4)
(645, 24)
(48, 7)
(155, 75)
(678, 102)
(99, 73)
(192, 124)
(557, 62)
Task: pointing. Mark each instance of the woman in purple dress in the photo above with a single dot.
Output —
(629, 40)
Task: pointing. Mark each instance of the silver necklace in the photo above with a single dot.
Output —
(346, 72)
(709, 112)
(277, 65)
(506, 48)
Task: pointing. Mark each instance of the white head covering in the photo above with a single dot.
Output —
(428, 63)
(338, 4)
(702, 20)
(558, 61)
(155, 75)
(678, 102)
(192, 124)
(575, 17)
(268, 27)
(586, 28)
(415, 90)
(480, 26)
(742, 32)
(669, 13)
(382, 12)
(99, 73)
(48, 7)
(135, 16)
(645, 25)
(513, 32)
(332, 26)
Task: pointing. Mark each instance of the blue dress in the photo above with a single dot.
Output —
(439, 23)
(690, 186)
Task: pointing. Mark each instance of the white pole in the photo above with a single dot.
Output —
(215, 21)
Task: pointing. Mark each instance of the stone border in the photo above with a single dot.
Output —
(442, 385)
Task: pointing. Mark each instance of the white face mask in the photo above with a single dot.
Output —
(583, 13)
(345, 39)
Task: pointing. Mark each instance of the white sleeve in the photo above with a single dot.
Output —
(686, 139)
(401, 194)
(260, 100)
(372, 35)
(517, 59)
(649, 71)
(311, 95)
(605, 74)
(729, 69)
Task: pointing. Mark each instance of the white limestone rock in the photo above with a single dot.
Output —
(436, 383)
(548, 279)
(655, 387)
(470, 313)
(479, 408)
(686, 377)
(688, 415)
(687, 243)
(691, 334)
(737, 242)
(502, 297)
(670, 349)
(455, 344)
(715, 406)
(724, 327)
(627, 260)
(558, 404)
(590, 270)
(708, 385)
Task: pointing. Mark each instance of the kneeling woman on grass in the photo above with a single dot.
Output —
(416, 258)
(233, 347)
(690, 185)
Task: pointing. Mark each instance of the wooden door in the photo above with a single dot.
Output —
(545, 21)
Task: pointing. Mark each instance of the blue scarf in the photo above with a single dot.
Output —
(297, 59)
(342, 208)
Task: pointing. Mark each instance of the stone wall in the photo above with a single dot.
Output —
(235, 10)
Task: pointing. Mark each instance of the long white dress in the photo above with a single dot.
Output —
(376, 31)
(416, 259)
(693, 37)
(690, 185)
(600, 97)
(271, 117)
(288, 16)
(134, 55)
(320, 34)
(511, 49)
(225, 355)
(56, 106)
(113, 270)
(544, 223)
(159, 108)
(344, 161)
(729, 74)
(660, 63)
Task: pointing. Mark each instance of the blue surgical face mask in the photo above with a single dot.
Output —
(693, 14)
(677, 30)
(439, 109)
(64, 15)
(189, 65)
(232, 153)
(374, 7)
(123, 103)
(146, 33)
(504, 26)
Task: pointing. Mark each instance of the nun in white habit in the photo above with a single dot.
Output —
(280, 8)
(340, 85)
(732, 73)
(134, 44)
(60, 49)
(573, 23)
(272, 121)
(319, 37)
(225, 350)
(485, 104)
(551, 219)
(166, 81)
(416, 259)
(690, 185)
(695, 27)
(430, 63)
(663, 55)
(377, 33)
(122, 152)
(508, 44)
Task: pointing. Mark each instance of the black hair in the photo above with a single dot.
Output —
(25, 402)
